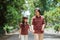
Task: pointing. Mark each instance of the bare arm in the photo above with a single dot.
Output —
(19, 30)
(43, 26)
(32, 24)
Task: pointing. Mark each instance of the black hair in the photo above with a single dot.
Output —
(38, 9)
(23, 20)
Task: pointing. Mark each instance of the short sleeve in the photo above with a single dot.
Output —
(20, 25)
(43, 21)
(33, 21)
(28, 26)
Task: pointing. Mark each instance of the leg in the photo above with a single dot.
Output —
(26, 37)
(22, 37)
(41, 36)
(36, 36)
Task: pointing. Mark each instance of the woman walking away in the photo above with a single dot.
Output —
(24, 27)
(38, 23)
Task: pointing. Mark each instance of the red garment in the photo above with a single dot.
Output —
(38, 22)
(24, 29)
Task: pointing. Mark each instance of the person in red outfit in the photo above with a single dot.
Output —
(38, 23)
(24, 27)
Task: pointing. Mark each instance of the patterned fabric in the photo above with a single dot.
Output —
(24, 29)
(37, 23)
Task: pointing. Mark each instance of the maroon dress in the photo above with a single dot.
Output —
(24, 29)
(37, 23)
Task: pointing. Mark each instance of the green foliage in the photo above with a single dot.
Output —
(44, 5)
(58, 0)
(53, 16)
(13, 13)
(57, 27)
(41, 4)
(8, 28)
(31, 9)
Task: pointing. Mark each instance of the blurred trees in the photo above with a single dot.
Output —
(2, 15)
(14, 9)
(10, 12)
(50, 9)
(44, 5)
(52, 18)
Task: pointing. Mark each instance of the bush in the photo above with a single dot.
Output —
(8, 28)
(52, 17)
(57, 27)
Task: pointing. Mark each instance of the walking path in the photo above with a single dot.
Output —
(48, 35)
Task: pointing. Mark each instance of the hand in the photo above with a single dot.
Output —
(42, 29)
(19, 36)
(32, 31)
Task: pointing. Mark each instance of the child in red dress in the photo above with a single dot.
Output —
(24, 27)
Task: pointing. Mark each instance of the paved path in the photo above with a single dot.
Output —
(31, 37)
(48, 35)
